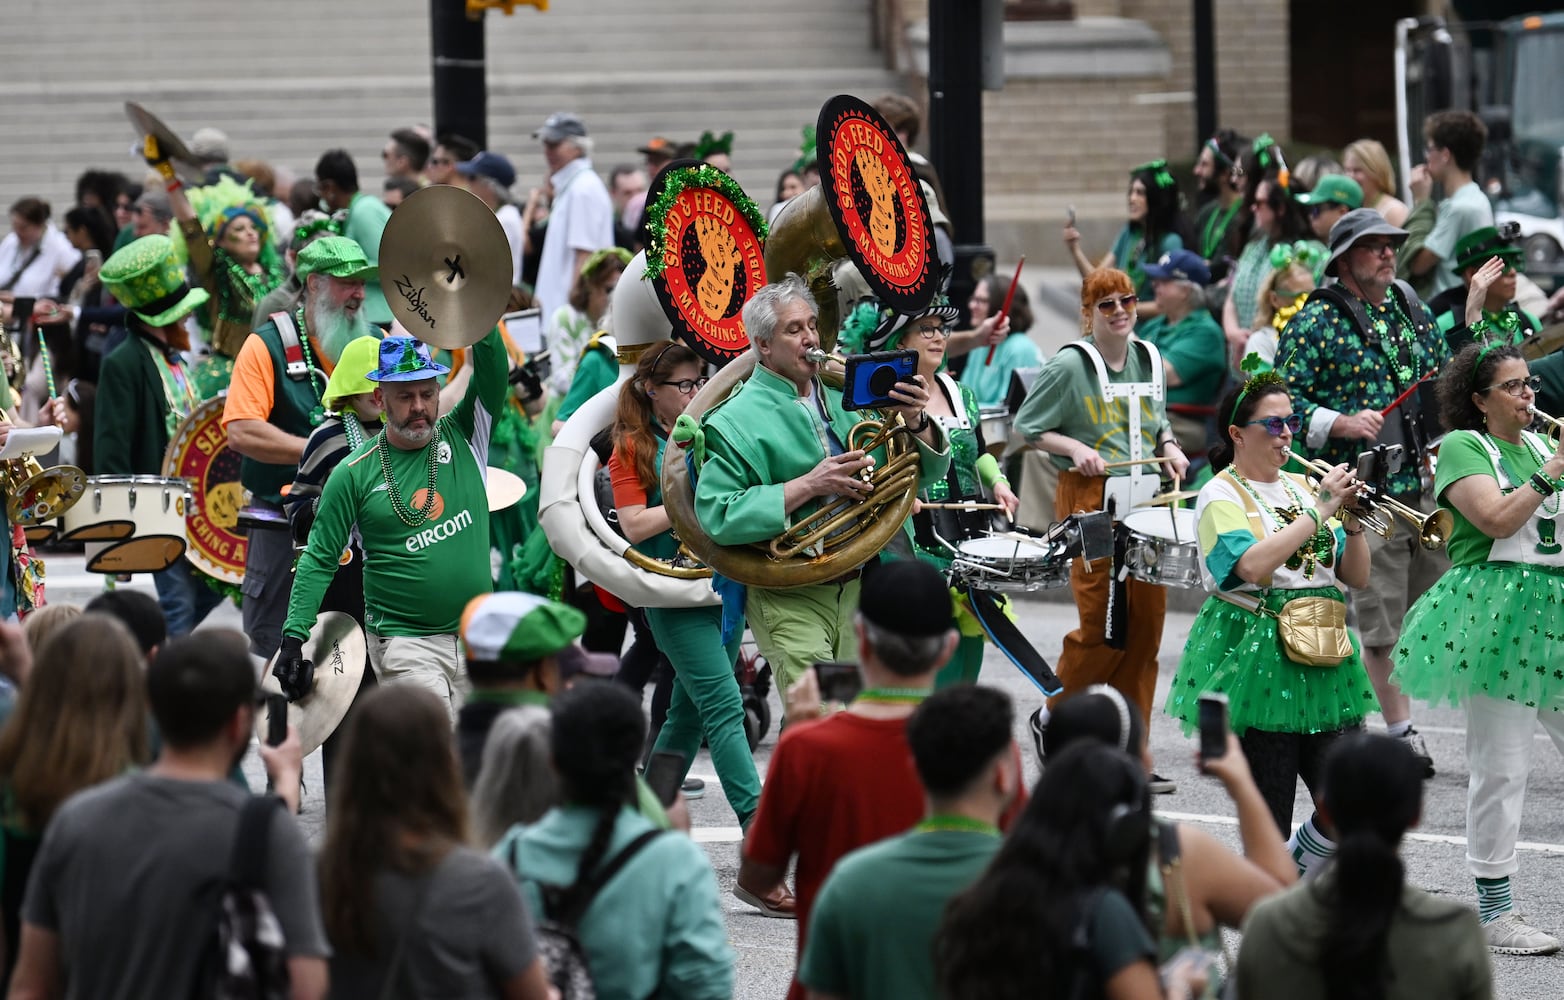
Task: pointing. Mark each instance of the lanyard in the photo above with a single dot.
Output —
(948, 822)
(894, 696)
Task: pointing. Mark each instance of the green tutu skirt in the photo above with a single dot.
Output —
(1494, 629)
(1239, 653)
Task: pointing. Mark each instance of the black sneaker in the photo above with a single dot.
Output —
(693, 788)
(1158, 785)
(1039, 730)
(1414, 742)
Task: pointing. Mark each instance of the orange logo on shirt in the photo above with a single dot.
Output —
(422, 496)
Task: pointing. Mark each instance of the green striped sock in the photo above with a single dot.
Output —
(1493, 898)
(1310, 847)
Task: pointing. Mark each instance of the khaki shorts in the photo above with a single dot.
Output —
(432, 662)
(1400, 570)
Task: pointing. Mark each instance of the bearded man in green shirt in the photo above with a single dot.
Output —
(775, 450)
(417, 493)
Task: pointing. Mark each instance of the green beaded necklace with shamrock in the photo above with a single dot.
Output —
(1546, 526)
(1319, 550)
(410, 517)
(318, 414)
(1405, 342)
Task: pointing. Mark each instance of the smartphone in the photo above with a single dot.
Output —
(1369, 459)
(839, 682)
(1069, 217)
(276, 719)
(1213, 726)
(870, 378)
(94, 256)
(664, 774)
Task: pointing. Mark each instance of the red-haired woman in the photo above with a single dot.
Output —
(1100, 401)
(706, 700)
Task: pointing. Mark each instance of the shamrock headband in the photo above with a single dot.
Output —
(597, 258)
(710, 143)
(1311, 255)
(319, 222)
(1489, 347)
(1268, 154)
(1158, 169)
(1259, 376)
(1216, 151)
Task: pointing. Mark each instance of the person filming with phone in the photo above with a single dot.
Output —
(1272, 636)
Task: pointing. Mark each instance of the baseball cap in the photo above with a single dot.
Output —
(906, 597)
(335, 257)
(1182, 265)
(561, 125)
(516, 626)
(659, 147)
(1333, 189)
(494, 166)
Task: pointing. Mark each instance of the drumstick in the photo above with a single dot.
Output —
(1410, 390)
(1127, 463)
(43, 354)
(1004, 310)
(962, 506)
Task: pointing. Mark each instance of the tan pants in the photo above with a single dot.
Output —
(1087, 659)
(432, 662)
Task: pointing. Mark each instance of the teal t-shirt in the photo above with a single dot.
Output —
(990, 380)
(1197, 349)
(1067, 398)
(871, 932)
(1460, 455)
(1130, 256)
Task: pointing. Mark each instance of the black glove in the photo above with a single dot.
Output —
(292, 670)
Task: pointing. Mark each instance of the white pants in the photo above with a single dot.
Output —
(432, 662)
(1499, 740)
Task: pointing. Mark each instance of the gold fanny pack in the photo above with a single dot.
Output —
(1313, 630)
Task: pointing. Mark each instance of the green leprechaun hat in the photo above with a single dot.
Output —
(147, 278)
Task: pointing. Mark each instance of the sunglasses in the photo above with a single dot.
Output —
(1316, 210)
(1377, 249)
(687, 385)
(1516, 386)
(1273, 425)
(1126, 302)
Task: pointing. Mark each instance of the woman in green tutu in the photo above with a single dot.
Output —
(1486, 635)
(1267, 539)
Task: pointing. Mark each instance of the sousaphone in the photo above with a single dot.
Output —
(445, 267)
(869, 208)
(186, 166)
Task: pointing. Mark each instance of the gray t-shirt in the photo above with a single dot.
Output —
(128, 878)
(470, 935)
(1465, 211)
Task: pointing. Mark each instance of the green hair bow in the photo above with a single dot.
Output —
(1306, 252)
(1158, 169)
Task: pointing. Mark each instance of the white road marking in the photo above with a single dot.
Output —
(1427, 838)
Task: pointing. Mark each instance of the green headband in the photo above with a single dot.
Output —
(1488, 348)
(1158, 169)
(1253, 364)
(599, 256)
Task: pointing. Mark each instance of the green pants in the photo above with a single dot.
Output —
(706, 700)
(794, 628)
(964, 663)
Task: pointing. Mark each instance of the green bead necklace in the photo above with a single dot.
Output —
(1319, 550)
(411, 518)
(962, 824)
(318, 414)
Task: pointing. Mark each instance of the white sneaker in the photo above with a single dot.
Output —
(1512, 935)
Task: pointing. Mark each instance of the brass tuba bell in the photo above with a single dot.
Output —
(34, 494)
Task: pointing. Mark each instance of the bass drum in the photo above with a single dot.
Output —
(578, 532)
(198, 452)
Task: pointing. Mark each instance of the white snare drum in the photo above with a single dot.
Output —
(134, 524)
(995, 421)
(1164, 547)
(1008, 565)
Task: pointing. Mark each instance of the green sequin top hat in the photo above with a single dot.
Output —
(147, 278)
(1477, 247)
(403, 359)
(336, 257)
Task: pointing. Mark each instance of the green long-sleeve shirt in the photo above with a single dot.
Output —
(417, 579)
(766, 434)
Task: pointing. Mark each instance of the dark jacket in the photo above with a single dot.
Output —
(131, 433)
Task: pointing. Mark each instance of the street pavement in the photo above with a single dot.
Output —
(1434, 854)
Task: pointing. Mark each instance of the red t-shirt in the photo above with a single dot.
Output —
(833, 787)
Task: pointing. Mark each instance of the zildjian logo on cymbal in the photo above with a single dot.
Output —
(415, 297)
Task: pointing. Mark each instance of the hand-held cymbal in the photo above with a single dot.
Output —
(445, 267)
(186, 166)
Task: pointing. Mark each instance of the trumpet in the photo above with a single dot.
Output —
(1555, 426)
(1378, 512)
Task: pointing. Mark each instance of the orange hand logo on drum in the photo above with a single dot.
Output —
(715, 287)
(882, 199)
(223, 501)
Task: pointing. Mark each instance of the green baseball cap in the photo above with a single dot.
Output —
(511, 626)
(1333, 189)
(146, 277)
(335, 257)
(1476, 247)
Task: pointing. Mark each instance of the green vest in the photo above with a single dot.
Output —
(293, 400)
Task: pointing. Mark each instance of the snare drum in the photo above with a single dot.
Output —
(135, 524)
(1008, 565)
(995, 421)
(1163, 548)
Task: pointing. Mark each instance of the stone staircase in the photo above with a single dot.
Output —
(287, 79)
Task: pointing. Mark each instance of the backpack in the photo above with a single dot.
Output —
(245, 956)
(563, 907)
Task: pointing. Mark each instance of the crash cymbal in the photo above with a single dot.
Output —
(336, 647)
(504, 488)
(445, 267)
(184, 162)
(1171, 497)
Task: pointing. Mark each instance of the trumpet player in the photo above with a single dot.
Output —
(1269, 539)
(775, 450)
(1485, 636)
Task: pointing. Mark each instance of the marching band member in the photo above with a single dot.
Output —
(1267, 539)
(954, 407)
(416, 494)
(1483, 636)
(145, 389)
(1100, 400)
(706, 699)
(275, 401)
(775, 450)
